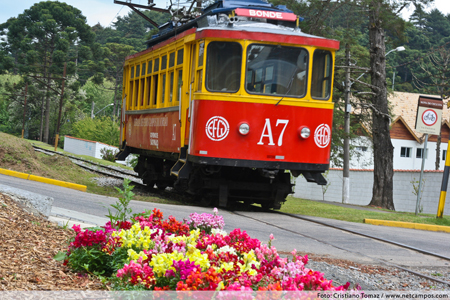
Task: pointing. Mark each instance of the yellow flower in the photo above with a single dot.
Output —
(249, 260)
(133, 255)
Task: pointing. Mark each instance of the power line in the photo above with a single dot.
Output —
(115, 16)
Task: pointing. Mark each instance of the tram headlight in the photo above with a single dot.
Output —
(244, 128)
(304, 132)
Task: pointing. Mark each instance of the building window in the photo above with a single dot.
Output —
(405, 152)
(361, 148)
(419, 153)
(444, 154)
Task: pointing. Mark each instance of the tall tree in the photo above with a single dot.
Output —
(116, 55)
(40, 38)
(437, 26)
(382, 192)
(379, 13)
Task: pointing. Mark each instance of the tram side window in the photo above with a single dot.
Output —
(179, 84)
(321, 74)
(131, 91)
(223, 66)
(171, 76)
(149, 89)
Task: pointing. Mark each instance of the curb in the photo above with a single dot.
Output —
(408, 225)
(25, 176)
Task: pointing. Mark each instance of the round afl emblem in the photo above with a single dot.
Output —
(429, 117)
(322, 135)
(217, 128)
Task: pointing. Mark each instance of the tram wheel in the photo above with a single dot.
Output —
(266, 206)
(150, 184)
(161, 185)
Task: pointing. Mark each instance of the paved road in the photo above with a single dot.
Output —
(304, 236)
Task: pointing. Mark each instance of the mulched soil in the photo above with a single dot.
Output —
(27, 246)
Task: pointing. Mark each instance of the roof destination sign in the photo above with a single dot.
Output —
(429, 115)
(265, 14)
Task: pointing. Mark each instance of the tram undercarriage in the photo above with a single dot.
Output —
(218, 185)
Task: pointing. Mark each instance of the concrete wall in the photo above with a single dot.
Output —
(85, 147)
(361, 183)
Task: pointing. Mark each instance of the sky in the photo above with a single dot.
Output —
(105, 11)
(95, 11)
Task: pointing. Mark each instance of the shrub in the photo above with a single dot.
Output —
(108, 154)
(102, 130)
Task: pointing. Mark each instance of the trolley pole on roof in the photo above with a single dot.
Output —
(346, 177)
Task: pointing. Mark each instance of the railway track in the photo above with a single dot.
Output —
(446, 258)
(96, 167)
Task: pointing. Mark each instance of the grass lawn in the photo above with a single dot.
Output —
(330, 211)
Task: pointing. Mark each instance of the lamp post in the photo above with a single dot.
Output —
(93, 115)
(400, 48)
(348, 85)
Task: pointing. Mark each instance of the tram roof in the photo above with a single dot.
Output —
(263, 32)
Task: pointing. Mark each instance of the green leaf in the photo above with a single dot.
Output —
(60, 256)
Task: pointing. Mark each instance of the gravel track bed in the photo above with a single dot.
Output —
(376, 278)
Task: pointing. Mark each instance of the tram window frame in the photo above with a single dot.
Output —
(142, 92)
(163, 97)
(178, 85)
(136, 94)
(156, 65)
(148, 85)
(144, 65)
(172, 59)
(210, 71)
(180, 56)
(300, 71)
(148, 91)
(149, 67)
(138, 70)
(129, 90)
(199, 67)
(154, 99)
(178, 81)
(164, 62)
(171, 79)
(326, 79)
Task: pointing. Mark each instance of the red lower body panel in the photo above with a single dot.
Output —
(156, 131)
(274, 132)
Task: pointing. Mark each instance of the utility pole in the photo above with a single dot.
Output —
(346, 177)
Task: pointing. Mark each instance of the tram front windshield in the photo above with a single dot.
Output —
(276, 70)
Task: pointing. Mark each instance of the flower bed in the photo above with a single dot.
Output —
(150, 253)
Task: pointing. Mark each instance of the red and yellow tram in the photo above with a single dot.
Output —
(226, 105)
